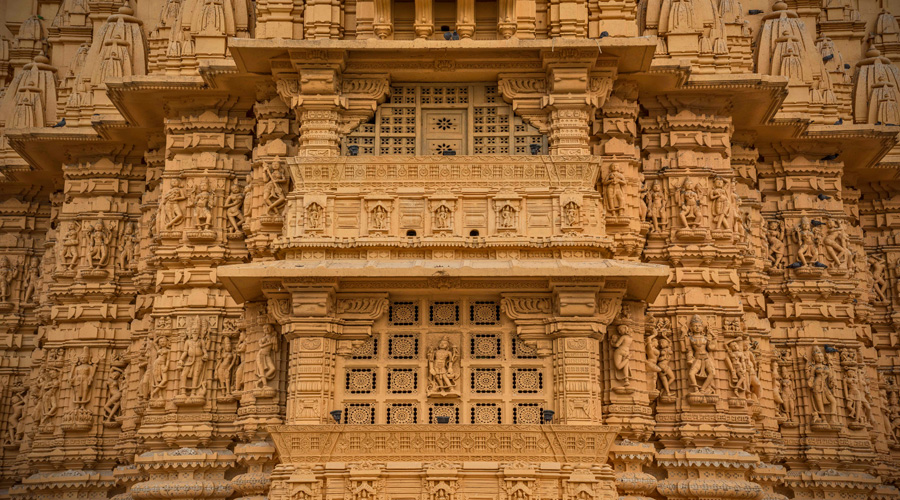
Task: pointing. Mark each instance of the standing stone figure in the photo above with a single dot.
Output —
(656, 205)
(98, 241)
(699, 343)
(225, 367)
(234, 209)
(81, 377)
(622, 354)
(32, 280)
(265, 363)
(113, 405)
(203, 201)
(159, 369)
(615, 191)
(171, 205)
(808, 251)
(691, 213)
(7, 275)
(775, 240)
(442, 375)
(193, 357)
(721, 204)
(820, 381)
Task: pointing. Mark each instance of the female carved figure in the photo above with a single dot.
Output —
(265, 364)
(82, 377)
(203, 203)
(173, 215)
(70, 245)
(820, 381)
(273, 192)
(314, 216)
(699, 342)
(666, 373)
(721, 209)
(836, 243)
(159, 369)
(571, 214)
(656, 204)
(808, 252)
(878, 271)
(775, 239)
(379, 218)
(691, 215)
(98, 251)
(442, 217)
(441, 374)
(49, 402)
(737, 365)
(32, 281)
(126, 250)
(622, 353)
(225, 367)
(615, 191)
(113, 404)
(854, 396)
(15, 429)
(191, 364)
(240, 352)
(788, 394)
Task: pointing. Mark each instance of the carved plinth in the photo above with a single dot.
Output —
(701, 399)
(235, 236)
(809, 272)
(200, 236)
(271, 221)
(67, 274)
(76, 419)
(170, 235)
(6, 306)
(94, 273)
(182, 400)
(737, 402)
(691, 234)
(618, 221)
(667, 399)
(721, 234)
(824, 426)
(264, 392)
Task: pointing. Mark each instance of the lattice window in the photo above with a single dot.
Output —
(484, 313)
(477, 121)
(485, 380)
(403, 314)
(486, 413)
(527, 380)
(403, 346)
(443, 313)
(367, 349)
(402, 413)
(402, 380)
(359, 413)
(360, 381)
(527, 413)
(436, 410)
(521, 350)
(484, 346)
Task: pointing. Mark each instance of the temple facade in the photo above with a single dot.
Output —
(449, 250)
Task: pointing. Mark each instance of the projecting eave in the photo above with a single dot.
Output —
(643, 281)
(471, 59)
(45, 148)
(860, 147)
(140, 98)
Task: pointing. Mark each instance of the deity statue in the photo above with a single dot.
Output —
(49, 382)
(698, 344)
(98, 241)
(507, 217)
(737, 364)
(171, 205)
(855, 400)
(656, 205)
(15, 428)
(128, 244)
(808, 253)
(622, 353)
(721, 204)
(32, 280)
(820, 381)
(265, 362)
(775, 240)
(191, 362)
(81, 378)
(7, 274)
(571, 214)
(379, 218)
(442, 375)
(240, 357)
(788, 394)
(159, 368)
(203, 202)
(225, 367)
(615, 191)
(836, 243)
(689, 200)
(315, 216)
(442, 217)
(116, 386)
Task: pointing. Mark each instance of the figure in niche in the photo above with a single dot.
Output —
(82, 378)
(775, 240)
(878, 271)
(750, 350)
(49, 382)
(736, 363)
(442, 375)
(808, 252)
(721, 208)
(160, 368)
(777, 393)
(853, 394)
(265, 362)
(315, 216)
(225, 367)
(71, 242)
(507, 217)
(191, 363)
(820, 380)
(7, 275)
(116, 386)
(273, 192)
(129, 239)
(98, 249)
(656, 205)
(836, 243)
(666, 355)
(699, 342)
(173, 214)
(203, 203)
(379, 218)
(622, 353)
(442, 217)
(240, 356)
(690, 214)
(145, 361)
(615, 191)
(32, 280)
(571, 214)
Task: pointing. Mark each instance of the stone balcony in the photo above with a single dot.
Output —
(446, 201)
(318, 444)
